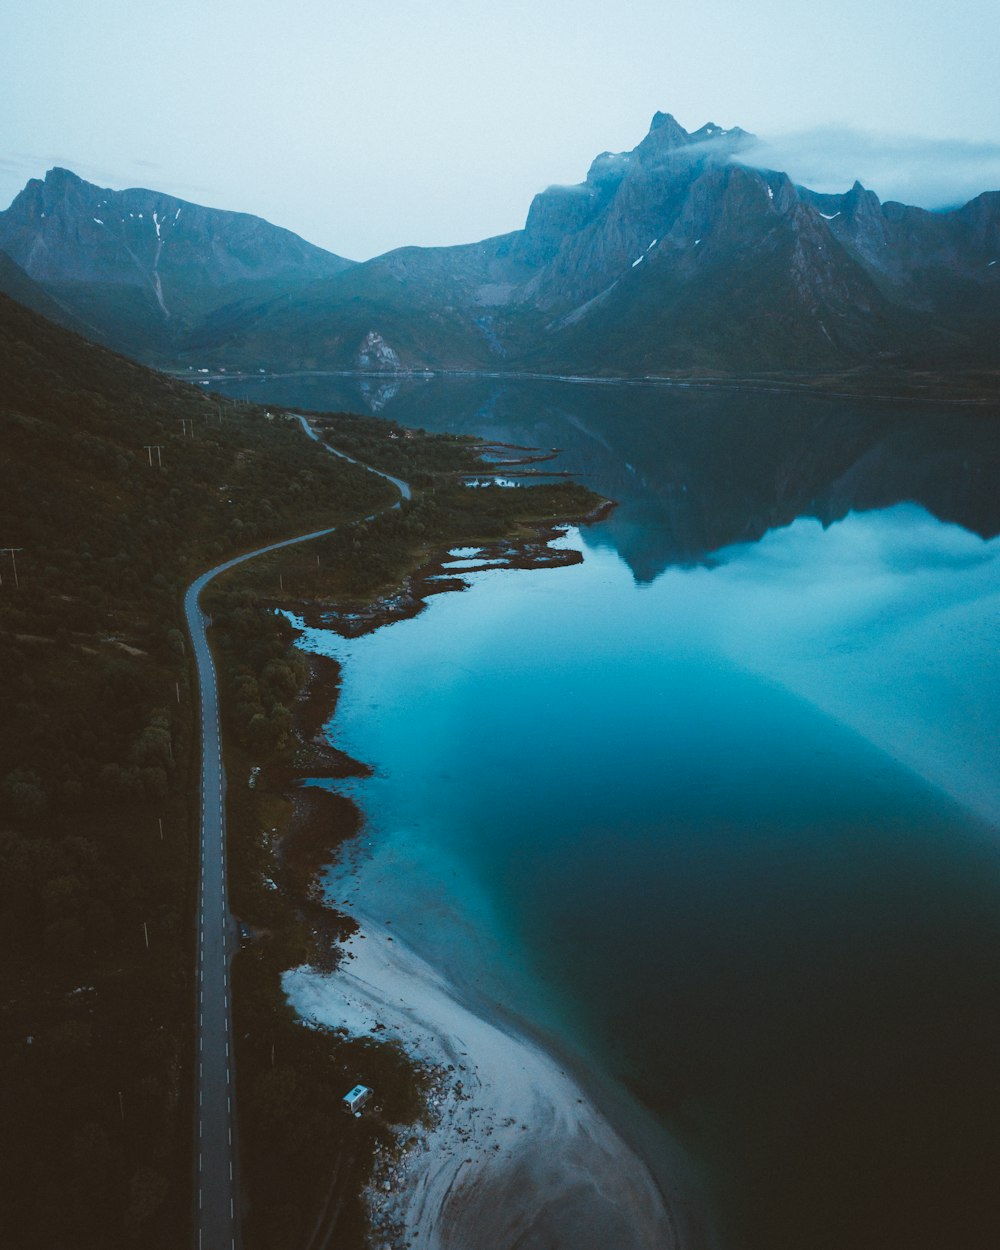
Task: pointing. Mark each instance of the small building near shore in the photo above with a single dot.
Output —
(355, 1099)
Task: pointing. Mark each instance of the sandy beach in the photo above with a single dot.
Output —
(514, 1154)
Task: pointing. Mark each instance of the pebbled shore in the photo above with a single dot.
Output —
(514, 1153)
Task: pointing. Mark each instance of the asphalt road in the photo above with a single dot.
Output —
(400, 485)
(217, 1213)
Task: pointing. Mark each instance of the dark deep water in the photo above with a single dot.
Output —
(718, 808)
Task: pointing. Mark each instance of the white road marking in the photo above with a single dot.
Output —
(213, 815)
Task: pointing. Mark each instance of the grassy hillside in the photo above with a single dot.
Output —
(16, 284)
(117, 486)
(303, 1162)
(97, 754)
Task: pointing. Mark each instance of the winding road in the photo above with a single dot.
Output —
(217, 1209)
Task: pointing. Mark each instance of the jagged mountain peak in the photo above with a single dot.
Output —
(68, 202)
(678, 254)
(140, 263)
(60, 174)
(666, 127)
(55, 178)
(861, 200)
(667, 131)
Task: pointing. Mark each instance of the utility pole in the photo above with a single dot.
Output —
(187, 426)
(150, 448)
(12, 550)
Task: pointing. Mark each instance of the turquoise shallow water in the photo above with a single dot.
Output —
(717, 809)
(713, 832)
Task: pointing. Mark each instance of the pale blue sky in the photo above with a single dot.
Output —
(364, 126)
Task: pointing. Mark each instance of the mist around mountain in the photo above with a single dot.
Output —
(676, 258)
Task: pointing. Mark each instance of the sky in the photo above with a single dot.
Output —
(368, 126)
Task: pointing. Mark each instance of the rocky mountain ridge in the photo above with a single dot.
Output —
(142, 266)
(675, 258)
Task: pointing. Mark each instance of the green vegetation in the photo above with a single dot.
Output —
(372, 558)
(117, 486)
(299, 1152)
(304, 1162)
(96, 750)
(414, 455)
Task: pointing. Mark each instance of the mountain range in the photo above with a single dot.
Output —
(673, 259)
(140, 270)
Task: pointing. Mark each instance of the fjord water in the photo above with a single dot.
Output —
(717, 807)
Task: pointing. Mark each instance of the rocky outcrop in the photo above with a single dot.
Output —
(674, 257)
(375, 355)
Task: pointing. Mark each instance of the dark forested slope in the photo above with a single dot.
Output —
(97, 756)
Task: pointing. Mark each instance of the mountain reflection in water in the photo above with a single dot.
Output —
(694, 470)
(717, 806)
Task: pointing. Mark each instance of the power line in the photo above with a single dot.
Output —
(12, 550)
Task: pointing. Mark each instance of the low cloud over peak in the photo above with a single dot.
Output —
(931, 173)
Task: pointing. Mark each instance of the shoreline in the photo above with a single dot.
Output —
(436, 575)
(906, 386)
(516, 1153)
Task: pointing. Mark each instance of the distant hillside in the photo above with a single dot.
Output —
(675, 258)
(16, 283)
(142, 267)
